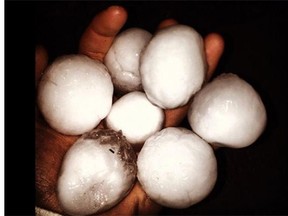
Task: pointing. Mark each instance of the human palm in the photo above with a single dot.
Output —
(51, 146)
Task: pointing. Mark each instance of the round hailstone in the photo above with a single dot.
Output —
(176, 168)
(122, 59)
(228, 112)
(97, 172)
(136, 117)
(75, 94)
(173, 66)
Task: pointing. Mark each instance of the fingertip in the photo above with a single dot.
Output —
(167, 22)
(214, 47)
(117, 10)
(215, 40)
(110, 21)
(98, 37)
(118, 13)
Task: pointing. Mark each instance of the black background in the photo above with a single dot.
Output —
(252, 180)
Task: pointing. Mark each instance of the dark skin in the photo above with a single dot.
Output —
(51, 146)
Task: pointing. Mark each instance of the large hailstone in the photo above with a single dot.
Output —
(136, 117)
(228, 112)
(97, 172)
(173, 66)
(122, 59)
(75, 94)
(176, 168)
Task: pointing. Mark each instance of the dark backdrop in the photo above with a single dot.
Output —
(252, 180)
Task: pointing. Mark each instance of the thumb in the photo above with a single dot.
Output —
(41, 61)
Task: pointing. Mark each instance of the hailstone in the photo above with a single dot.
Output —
(75, 94)
(176, 168)
(122, 59)
(228, 112)
(136, 117)
(97, 172)
(173, 66)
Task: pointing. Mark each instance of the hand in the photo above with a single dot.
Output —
(51, 146)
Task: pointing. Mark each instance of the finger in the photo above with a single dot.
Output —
(174, 117)
(136, 203)
(166, 23)
(214, 47)
(41, 61)
(99, 35)
(146, 206)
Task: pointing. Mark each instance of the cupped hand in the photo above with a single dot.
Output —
(51, 146)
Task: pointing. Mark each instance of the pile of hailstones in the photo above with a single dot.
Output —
(176, 166)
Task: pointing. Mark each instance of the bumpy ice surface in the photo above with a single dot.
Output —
(97, 172)
(75, 94)
(228, 112)
(173, 66)
(122, 59)
(176, 168)
(136, 117)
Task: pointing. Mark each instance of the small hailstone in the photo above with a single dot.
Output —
(176, 168)
(136, 117)
(75, 94)
(97, 172)
(173, 66)
(228, 112)
(122, 59)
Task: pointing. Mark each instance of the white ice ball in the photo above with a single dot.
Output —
(75, 94)
(136, 117)
(173, 66)
(176, 168)
(228, 112)
(97, 172)
(122, 59)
